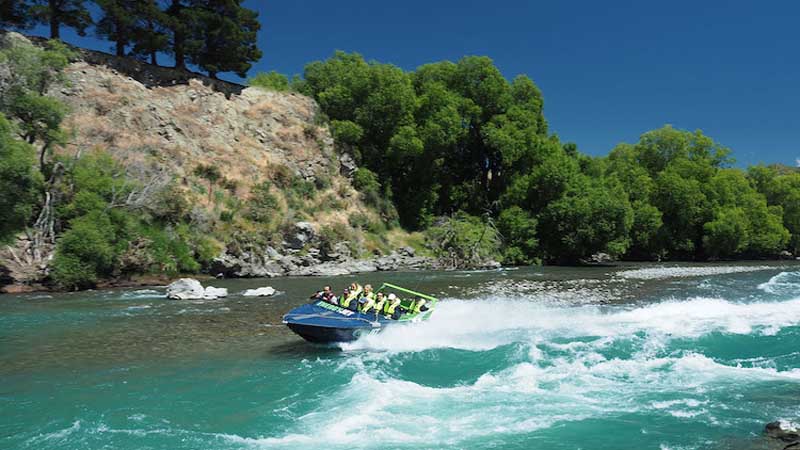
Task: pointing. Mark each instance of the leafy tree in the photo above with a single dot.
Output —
(57, 13)
(464, 241)
(518, 229)
(20, 184)
(211, 174)
(151, 33)
(589, 218)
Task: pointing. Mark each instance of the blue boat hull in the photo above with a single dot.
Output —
(321, 322)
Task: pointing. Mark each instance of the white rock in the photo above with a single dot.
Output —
(185, 289)
(260, 292)
(213, 293)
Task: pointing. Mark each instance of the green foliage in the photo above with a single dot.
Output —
(58, 13)
(20, 184)
(590, 218)
(518, 229)
(271, 81)
(85, 252)
(464, 241)
(224, 36)
(262, 206)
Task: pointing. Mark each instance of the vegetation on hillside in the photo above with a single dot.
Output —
(452, 151)
(213, 35)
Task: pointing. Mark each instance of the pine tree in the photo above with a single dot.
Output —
(150, 35)
(69, 13)
(118, 22)
(228, 37)
(14, 13)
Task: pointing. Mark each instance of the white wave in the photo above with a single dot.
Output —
(661, 273)
(484, 325)
(782, 284)
(520, 399)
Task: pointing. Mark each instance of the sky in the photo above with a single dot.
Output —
(609, 70)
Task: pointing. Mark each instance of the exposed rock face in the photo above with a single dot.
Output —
(185, 289)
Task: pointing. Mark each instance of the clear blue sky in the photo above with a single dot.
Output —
(609, 70)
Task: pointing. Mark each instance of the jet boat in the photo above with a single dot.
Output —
(324, 322)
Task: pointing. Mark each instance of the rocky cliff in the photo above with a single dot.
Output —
(163, 123)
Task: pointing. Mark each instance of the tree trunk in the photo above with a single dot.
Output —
(55, 25)
(153, 60)
(120, 47)
(212, 74)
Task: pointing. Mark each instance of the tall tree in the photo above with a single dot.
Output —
(150, 34)
(69, 13)
(14, 13)
(228, 34)
(118, 22)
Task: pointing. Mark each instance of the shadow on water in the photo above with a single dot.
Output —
(303, 349)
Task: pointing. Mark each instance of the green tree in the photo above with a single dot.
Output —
(209, 173)
(518, 229)
(15, 13)
(58, 13)
(589, 218)
(227, 37)
(20, 184)
(118, 22)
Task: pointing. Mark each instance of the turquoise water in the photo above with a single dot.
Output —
(612, 358)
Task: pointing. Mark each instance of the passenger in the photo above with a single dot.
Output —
(326, 294)
(353, 293)
(380, 300)
(417, 306)
(391, 308)
(367, 301)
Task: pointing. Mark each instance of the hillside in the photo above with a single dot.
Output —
(170, 128)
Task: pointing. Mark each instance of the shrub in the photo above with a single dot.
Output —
(464, 241)
(85, 252)
(272, 81)
(262, 205)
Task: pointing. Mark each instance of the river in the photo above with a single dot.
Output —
(661, 356)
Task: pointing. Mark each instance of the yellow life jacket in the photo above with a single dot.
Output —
(379, 304)
(390, 307)
(370, 297)
(352, 296)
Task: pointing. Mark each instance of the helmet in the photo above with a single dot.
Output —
(392, 296)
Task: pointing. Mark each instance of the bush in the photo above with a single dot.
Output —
(272, 81)
(302, 189)
(85, 252)
(262, 205)
(464, 241)
(20, 184)
(518, 229)
(366, 182)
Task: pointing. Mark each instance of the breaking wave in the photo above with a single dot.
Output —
(782, 284)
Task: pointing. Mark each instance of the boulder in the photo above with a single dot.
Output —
(301, 234)
(185, 289)
(785, 255)
(213, 293)
(783, 431)
(347, 165)
(260, 292)
(246, 265)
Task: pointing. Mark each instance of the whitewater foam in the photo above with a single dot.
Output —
(782, 283)
(484, 325)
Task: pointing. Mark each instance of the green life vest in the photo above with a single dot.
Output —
(390, 307)
(351, 296)
(369, 303)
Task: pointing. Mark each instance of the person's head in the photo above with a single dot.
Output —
(368, 287)
(380, 294)
(326, 289)
(353, 286)
(392, 297)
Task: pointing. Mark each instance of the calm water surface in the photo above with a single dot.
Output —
(672, 356)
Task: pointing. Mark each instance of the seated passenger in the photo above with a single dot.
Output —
(380, 300)
(391, 308)
(417, 306)
(327, 295)
(352, 294)
(367, 301)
